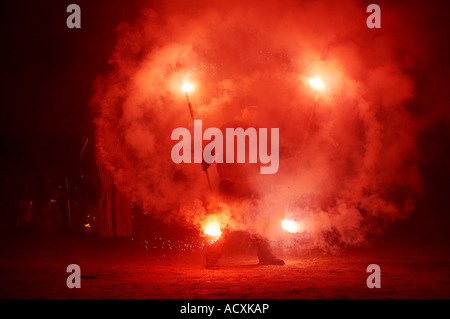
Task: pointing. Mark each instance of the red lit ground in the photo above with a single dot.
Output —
(36, 268)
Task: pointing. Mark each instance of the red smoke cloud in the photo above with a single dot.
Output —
(358, 169)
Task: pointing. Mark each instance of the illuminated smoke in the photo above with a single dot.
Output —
(251, 60)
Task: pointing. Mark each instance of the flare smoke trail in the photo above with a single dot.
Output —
(249, 60)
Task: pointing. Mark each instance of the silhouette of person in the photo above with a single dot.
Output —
(236, 184)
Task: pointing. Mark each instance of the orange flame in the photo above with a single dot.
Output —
(187, 87)
(212, 229)
(316, 83)
(291, 226)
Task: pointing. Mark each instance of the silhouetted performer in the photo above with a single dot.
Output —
(235, 185)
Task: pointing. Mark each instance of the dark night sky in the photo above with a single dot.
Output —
(47, 75)
(48, 72)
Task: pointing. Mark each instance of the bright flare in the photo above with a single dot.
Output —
(187, 87)
(290, 226)
(213, 230)
(316, 83)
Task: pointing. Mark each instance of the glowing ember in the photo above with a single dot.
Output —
(290, 226)
(212, 230)
(316, 83)
(187, 87)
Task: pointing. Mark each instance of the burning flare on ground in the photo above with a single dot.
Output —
(211, 226)
(212, 230)
(291, 226)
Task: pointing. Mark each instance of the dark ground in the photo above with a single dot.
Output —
(35, 267)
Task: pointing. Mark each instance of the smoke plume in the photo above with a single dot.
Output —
(348, 156)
